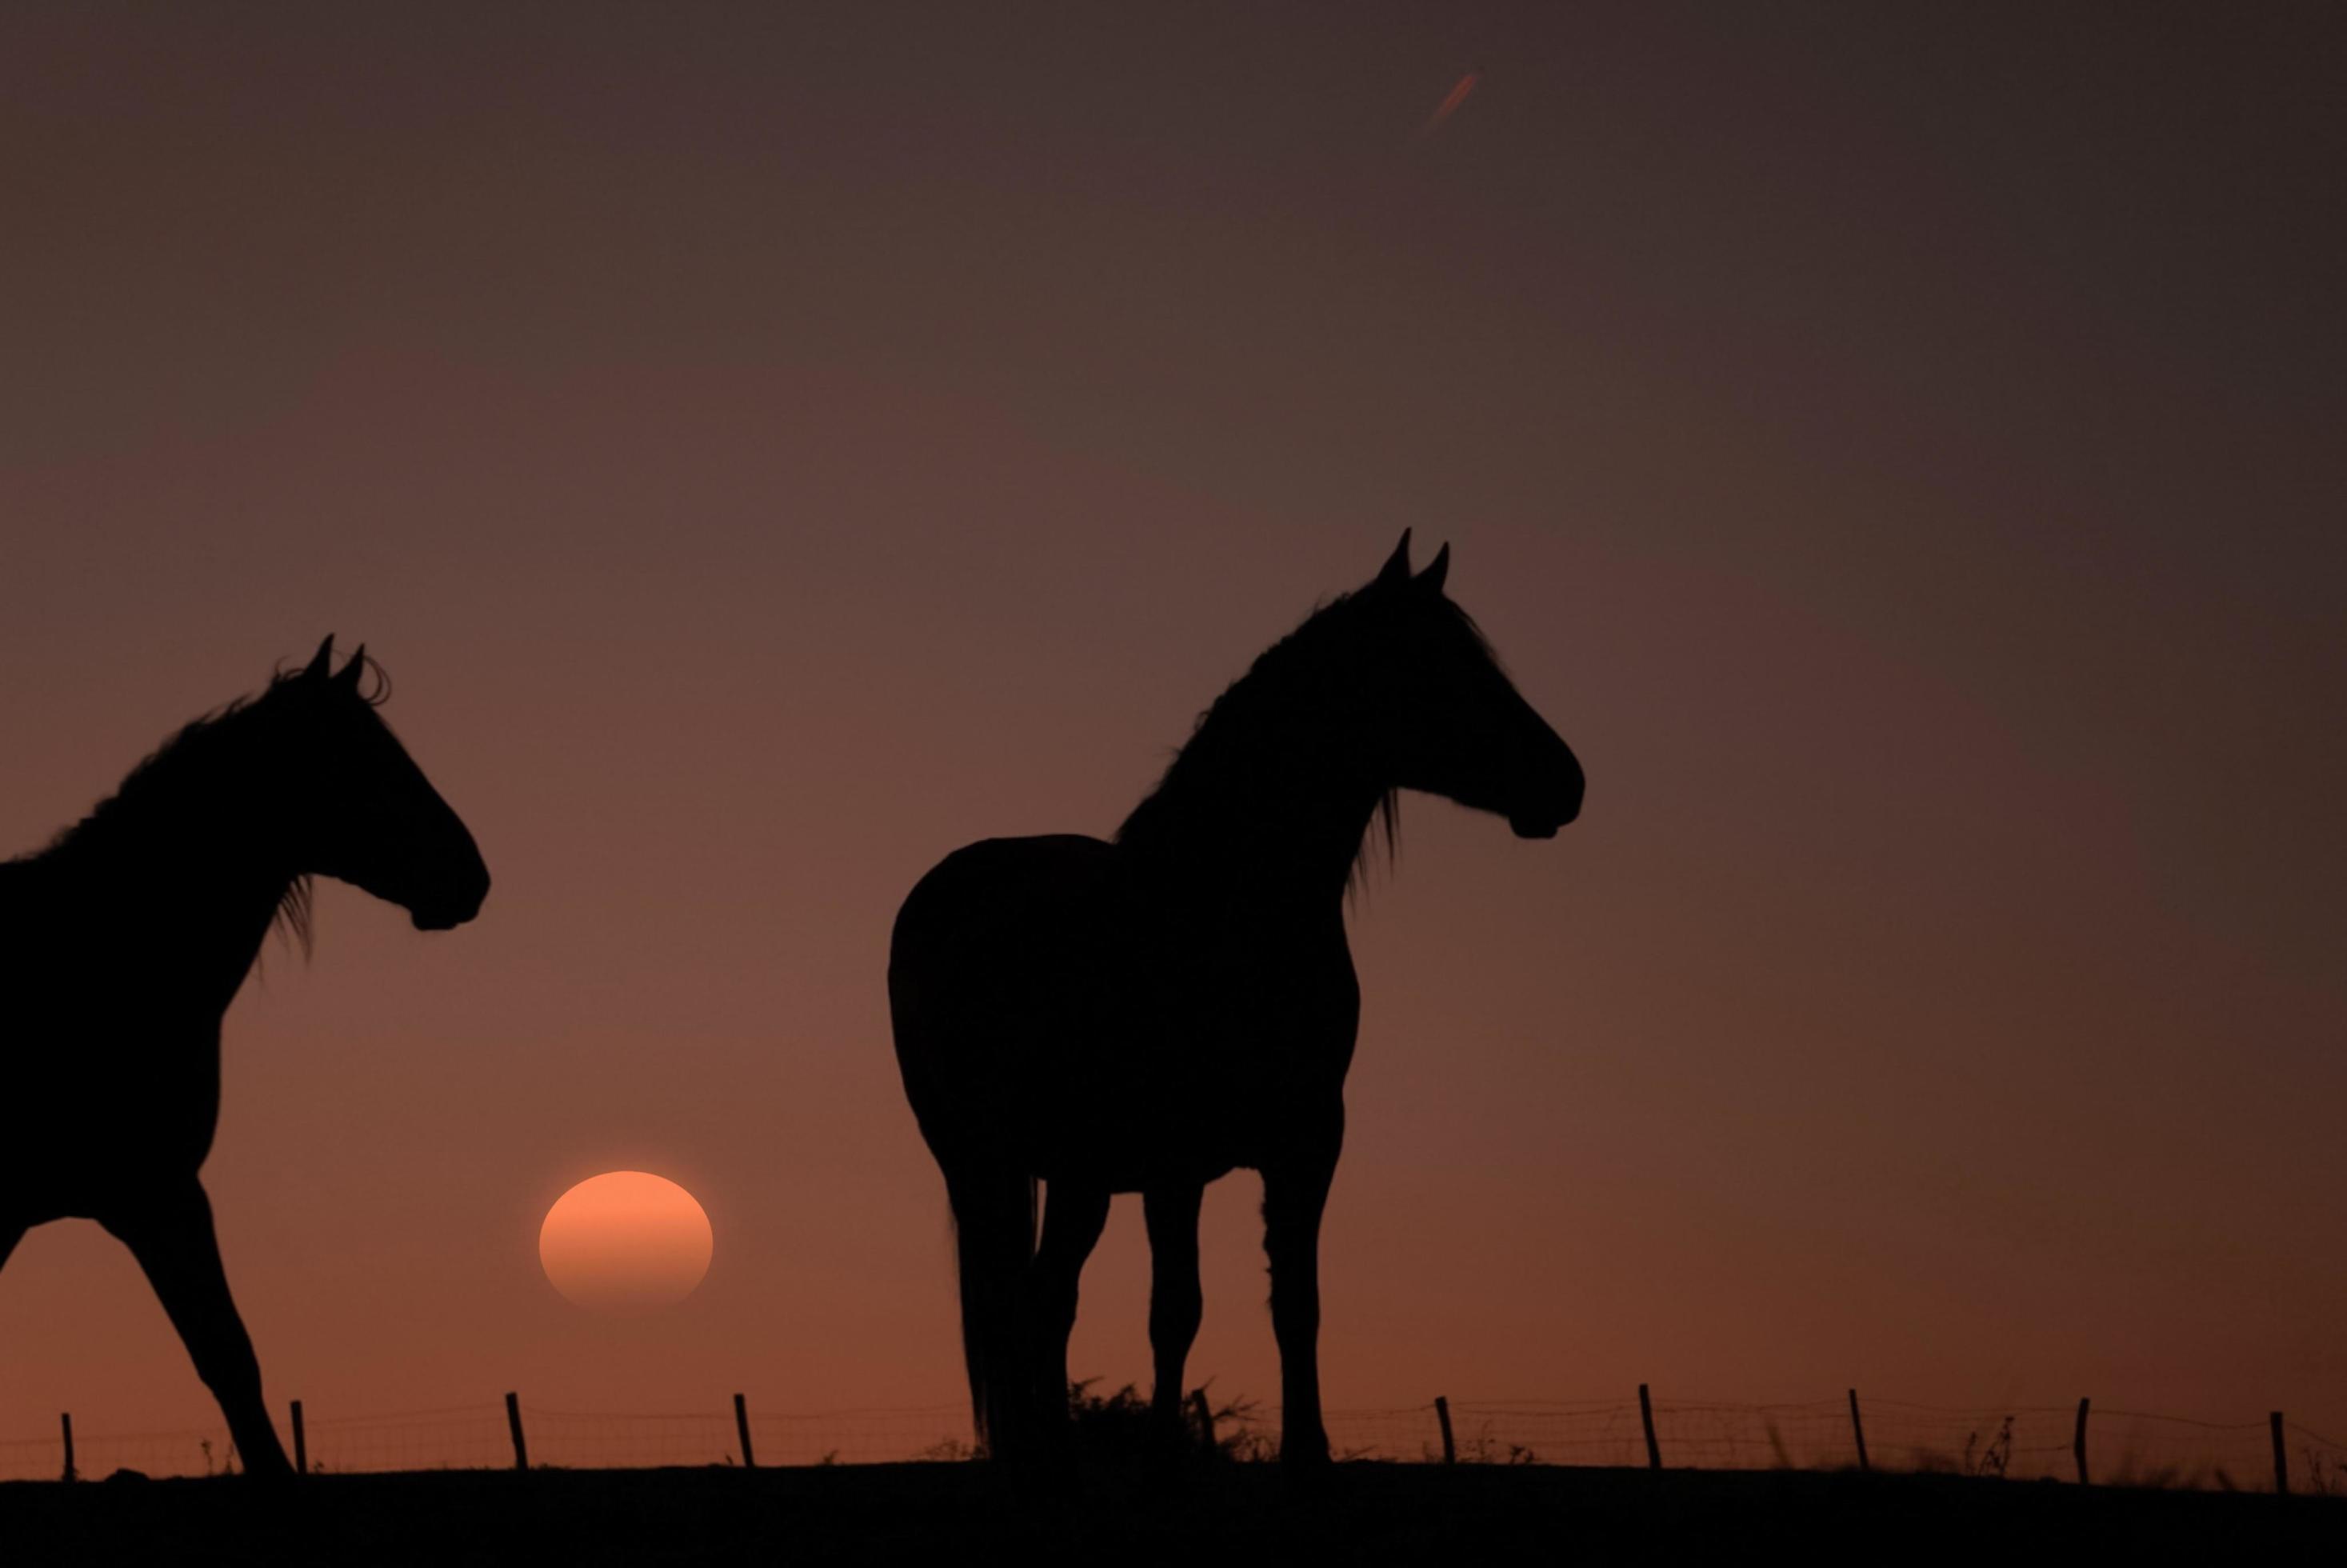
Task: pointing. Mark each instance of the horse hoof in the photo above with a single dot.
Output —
(1306, 1466)
(273, 1471)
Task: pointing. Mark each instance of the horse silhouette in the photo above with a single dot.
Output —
(122, 944)
(1150, 1013)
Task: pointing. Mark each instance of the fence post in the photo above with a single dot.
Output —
(741, 1426)
(1857, 1431)
(2281, 1456)
(1442, 1414)
(301, 1442)
(2078, 1443)
(1205, 1416)
(1646, 1415)
(65, 1418)
(513, 1420)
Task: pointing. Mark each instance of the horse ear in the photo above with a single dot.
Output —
(1396, 570)
(316, 667)
(1431, 579)
(349, 679)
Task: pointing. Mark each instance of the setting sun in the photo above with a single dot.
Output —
(625, 1241)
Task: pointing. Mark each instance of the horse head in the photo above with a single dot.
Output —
(367, 815)
(1449, 720)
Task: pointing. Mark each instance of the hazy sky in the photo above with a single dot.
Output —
(1901, 454)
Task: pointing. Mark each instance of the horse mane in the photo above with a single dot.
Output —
(193, 744)
(1261, 703)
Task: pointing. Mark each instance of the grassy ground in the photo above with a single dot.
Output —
(1422, 1513)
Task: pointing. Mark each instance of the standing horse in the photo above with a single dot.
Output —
(1148, 1014)
(123, 942)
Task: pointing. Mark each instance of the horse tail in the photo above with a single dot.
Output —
(994, 1215)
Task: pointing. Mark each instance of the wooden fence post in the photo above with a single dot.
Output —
(301, 1442)
(65, 1418)
(1442, 1415)
(513, 1420)
(1857, 1431)
(741, 1426)
(1646, 1415)
(2078, 1443)
(1205, 1414)
(2281, 1456)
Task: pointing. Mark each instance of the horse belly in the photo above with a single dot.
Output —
(1047, 1017)
(1128, 1111)
(1129, 1096)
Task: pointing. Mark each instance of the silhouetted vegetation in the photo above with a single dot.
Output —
(1121, 1427)
(1989, 1458)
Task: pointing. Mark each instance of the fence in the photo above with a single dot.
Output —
(2071, 1443)
(2078, 1444)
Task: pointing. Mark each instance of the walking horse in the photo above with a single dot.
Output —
(122, 944)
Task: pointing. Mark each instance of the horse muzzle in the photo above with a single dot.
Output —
(1543, 822)
(438, 915)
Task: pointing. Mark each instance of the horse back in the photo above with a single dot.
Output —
(997, 934)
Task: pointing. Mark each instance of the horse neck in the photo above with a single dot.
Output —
(1278, 833)
(188, 886)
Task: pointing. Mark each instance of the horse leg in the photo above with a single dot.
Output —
(994, 1239)
(1073, 1217)
(1176, 1302)
(1294, 1193)
(172, 1238)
